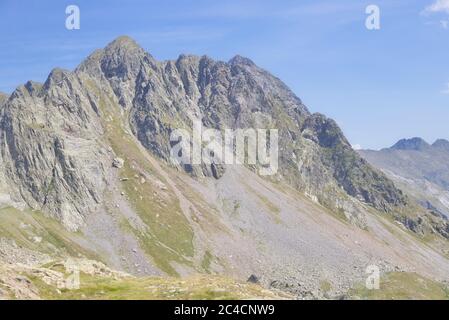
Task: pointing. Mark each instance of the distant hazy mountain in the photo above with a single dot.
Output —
(418, 167)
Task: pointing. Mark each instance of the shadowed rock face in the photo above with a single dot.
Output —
(53, 157)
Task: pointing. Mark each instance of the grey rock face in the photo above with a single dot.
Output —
(350, 171)
(163, 96)
(49, 157)
(53, 156)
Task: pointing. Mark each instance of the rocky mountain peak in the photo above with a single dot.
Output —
(124, 48)
(120, 58)
(123, 42)
(119, 65)
(441, 144)
(236, 94)
(326, 130)
(3, 98)
(411, 144)
(56, 77)
(239, 60)
(33, 87)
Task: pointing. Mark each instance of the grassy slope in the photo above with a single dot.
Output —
(402, 286)
(24, 226)
(169, 237)
(125, 288)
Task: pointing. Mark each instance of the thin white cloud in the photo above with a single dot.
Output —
(357, 147)
(438, 6)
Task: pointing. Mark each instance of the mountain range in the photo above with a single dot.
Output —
(85, 173)
(420, 168)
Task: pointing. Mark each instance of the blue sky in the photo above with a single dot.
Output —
(380, 85)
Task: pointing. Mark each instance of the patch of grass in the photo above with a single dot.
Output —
(402, 286)
(391, 225)
(24, 227)
(206, 261)
(170, 237)
(325, 286)
(193, 288)
(271, 206)
(340, 214)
